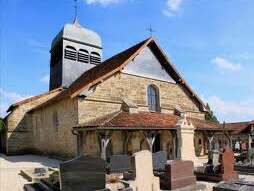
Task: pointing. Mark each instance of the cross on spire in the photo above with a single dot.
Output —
(150, 30)
(75, 11)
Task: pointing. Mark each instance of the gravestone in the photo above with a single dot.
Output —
(83, 173)
(178, 175)
(142, 177)
(159, 160)
(215, 157)
(120, 163)
(227, 164)
(234, 186)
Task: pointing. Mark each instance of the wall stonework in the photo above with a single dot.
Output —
(48, 130)
(108, 96)
(52, 128)
(18, 134)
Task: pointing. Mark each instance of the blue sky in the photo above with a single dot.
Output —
(210, 42)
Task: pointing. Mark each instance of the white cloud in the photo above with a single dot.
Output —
(12, 96)
(7, 98)
(232, 111)
(226, 64)
(102, 2)
(45, 79)
(172, 7)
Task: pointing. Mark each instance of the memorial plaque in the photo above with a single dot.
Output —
(159, 160)
(83, 173)
(120, 163)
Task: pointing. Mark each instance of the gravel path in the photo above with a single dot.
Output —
(10, 167)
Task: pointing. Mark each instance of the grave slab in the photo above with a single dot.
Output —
(83, 173)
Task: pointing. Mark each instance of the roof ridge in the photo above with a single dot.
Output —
(31, 98)
(76, 87)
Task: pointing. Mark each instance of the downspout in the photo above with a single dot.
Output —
(78, 141)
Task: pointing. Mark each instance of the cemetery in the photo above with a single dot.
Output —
(142, 171)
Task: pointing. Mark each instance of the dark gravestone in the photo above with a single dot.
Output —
(83, 173)
(178, 175)
(234, 186)
(159, 160)
(120, 163)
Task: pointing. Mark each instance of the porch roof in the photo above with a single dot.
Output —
(143, 120)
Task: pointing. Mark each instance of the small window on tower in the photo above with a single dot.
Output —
(95, 58)
(70, 53)
(83, 56)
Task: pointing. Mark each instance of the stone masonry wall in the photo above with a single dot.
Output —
(52, 129)
(108, 96)
(18, 133)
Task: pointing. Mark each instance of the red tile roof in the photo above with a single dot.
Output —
(134, 120)
(143, 120)
(205, 125)
(239, 127)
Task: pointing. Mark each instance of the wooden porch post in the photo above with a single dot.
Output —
(126, 140)
(150, 138)
(104, 138)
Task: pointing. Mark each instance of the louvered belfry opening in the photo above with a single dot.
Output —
(83, 56)
(70, 53)
(95, 58)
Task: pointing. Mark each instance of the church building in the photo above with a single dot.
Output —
(132, 101)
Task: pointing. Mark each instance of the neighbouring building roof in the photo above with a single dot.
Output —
(115, 64)
(240, 127)
(143, 120)
(33, 98)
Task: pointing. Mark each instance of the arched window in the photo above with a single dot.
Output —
(153, 98)
(70, 53)
(95, 58)
(83, 56)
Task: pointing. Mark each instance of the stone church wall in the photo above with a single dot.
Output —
(52, 127)
(108, 96)
(18, 134)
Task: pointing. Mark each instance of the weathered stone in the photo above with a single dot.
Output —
(142, 177)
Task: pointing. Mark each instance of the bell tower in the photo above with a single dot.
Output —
(74, 50)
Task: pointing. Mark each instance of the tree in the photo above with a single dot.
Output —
(209, 116)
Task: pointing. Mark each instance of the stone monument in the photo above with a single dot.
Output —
(83, 173)
(143, 178)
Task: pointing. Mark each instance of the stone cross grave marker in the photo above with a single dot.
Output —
(83, 173)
